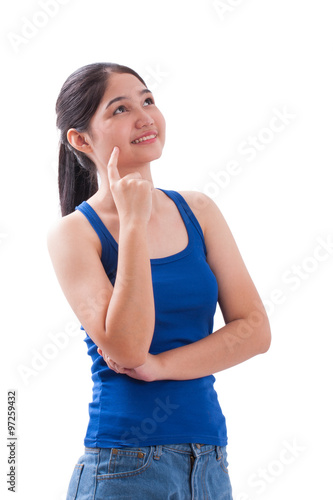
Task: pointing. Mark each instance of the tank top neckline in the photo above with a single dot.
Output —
(159, 260)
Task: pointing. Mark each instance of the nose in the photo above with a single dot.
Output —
(143, 119)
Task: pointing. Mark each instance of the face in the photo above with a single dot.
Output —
(127, 117)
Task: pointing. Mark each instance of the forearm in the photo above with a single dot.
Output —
(130, 317)
(232, 344)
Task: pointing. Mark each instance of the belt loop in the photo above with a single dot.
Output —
(195, 448)
(158, 452)
(218, 452)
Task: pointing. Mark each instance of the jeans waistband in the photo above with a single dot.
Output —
(190, 448)
(195, 449)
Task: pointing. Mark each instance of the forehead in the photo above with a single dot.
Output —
(122, 84)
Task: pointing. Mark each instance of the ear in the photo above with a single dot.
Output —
(79, 141)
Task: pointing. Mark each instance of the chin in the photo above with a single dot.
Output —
(148, 156)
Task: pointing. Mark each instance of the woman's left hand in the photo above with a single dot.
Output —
(148, 372)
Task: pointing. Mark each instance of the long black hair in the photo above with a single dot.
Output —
(77, 102)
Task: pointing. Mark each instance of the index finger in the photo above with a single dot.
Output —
(112, 167)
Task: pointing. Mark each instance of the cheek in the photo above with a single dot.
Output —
(160, 121)
(120, 131)
(114, 136)
(161, 118)
(98, 138)
(102, 145)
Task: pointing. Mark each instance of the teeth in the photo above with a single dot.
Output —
(146, 138)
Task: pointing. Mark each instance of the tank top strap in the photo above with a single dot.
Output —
(99, 227)
(184, 207)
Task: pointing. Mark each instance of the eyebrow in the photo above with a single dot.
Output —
(120, 98)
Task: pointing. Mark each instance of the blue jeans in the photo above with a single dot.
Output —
(167, 472)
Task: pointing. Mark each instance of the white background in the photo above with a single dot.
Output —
(219, 72)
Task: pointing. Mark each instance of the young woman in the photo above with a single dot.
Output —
(143, 269)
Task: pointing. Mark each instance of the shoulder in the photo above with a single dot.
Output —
(204, 208)
(70, 233)
(68, 227)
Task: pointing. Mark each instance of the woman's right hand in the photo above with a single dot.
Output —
(132, 194)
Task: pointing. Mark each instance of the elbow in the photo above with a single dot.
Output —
(264, 338)
(125, 354)
(131, 360)
(265, 344)
(258, 335)
(126, 349)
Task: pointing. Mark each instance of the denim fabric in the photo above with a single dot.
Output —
(167, 472)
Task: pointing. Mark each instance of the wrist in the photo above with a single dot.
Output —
(132, 222)
(161, 371)
(133, 230)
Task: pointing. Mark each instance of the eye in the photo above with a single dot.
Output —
(120, 110)
(149, 100)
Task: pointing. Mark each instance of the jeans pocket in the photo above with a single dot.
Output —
(128, 461)
(224, 459)
(74, 482)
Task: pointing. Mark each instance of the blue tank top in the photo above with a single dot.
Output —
(129, 412)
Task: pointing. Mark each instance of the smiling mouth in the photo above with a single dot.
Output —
(143, 139)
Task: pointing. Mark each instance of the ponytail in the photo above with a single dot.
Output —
(77, 179)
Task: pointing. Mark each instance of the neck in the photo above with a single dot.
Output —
(144, 170)
(104, 195)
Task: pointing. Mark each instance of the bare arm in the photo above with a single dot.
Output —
(119, 319)
(247, 330)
